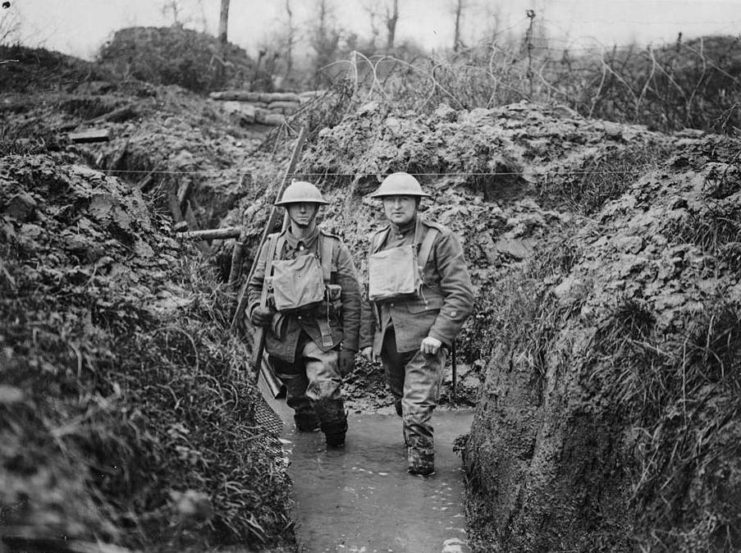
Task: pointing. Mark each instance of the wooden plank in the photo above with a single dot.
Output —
(211, 234)
(270, 97)
(91, 135)
(236, 95)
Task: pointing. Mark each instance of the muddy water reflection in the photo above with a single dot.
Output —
(361, 499)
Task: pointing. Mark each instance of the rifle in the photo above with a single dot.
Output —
(259, 337)
(272, 219)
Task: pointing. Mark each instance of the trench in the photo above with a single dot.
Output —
(360, 499)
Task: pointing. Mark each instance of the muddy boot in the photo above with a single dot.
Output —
(306, 422)
(421, 461)
(334, 433)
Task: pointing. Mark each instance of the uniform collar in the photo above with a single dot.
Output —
(308, 242)
(405, 229)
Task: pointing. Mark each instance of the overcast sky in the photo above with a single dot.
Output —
(79, 27)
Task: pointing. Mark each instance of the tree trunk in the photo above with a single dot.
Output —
(391, 20)
(291, 39)
(457, 34)
(223, 24)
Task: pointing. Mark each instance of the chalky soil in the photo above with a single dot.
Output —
(360, 499)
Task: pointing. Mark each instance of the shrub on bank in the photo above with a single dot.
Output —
(173, 55)
(127, 412)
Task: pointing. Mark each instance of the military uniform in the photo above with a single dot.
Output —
(303, 345)
(396, 328)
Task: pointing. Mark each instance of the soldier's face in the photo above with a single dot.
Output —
(400, 209)
(302, 213)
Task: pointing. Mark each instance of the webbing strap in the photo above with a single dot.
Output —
(426, 248)
(326, 250)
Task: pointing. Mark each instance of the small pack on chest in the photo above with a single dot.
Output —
(297, 283)
(396, 272)
(302, 282)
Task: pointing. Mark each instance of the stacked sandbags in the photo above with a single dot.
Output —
(267, 108)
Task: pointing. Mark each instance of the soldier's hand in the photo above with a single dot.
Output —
(430, 345)
(346, 361)
(367, 353)
(262, 316)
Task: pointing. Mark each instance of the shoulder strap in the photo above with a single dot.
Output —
(426, 247)
(326, 251)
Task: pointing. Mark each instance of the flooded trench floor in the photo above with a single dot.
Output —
(360, 499)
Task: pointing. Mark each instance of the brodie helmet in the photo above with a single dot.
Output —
(301, 192)
(399, 184)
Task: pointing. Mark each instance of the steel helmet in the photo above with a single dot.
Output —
(399, 184)
(301, 191)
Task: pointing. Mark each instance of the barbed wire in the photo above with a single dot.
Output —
(114, 172)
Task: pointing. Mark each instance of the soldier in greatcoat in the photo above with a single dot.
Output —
(305, 293)
(419, 295)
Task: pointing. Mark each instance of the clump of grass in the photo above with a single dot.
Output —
(715, 228)
(681, 396)
(602, 179)
(518, 311)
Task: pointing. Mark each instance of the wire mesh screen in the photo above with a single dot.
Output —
(266, 417)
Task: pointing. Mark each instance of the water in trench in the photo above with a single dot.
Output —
(360, 499)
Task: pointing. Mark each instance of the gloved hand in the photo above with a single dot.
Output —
(346, 361)
(262, 316)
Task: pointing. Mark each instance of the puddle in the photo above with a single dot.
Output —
(361, 499)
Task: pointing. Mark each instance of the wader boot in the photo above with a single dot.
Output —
(306, 422)
(421, 461)
(334, 433)
(333, 421)
(420, 456)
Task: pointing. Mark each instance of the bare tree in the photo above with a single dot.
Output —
(386, 11)
(223, 42)
(458, 8)
(290, 39)
(185, 12)
(9, 23)
(392, 18)
(325, 38)
(173, 7)
(223, 24)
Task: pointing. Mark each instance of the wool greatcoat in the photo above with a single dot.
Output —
(282, 338)
(397, 327)
(303, 346)
(445, 301)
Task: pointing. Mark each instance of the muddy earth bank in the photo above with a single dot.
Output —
(602, 358)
